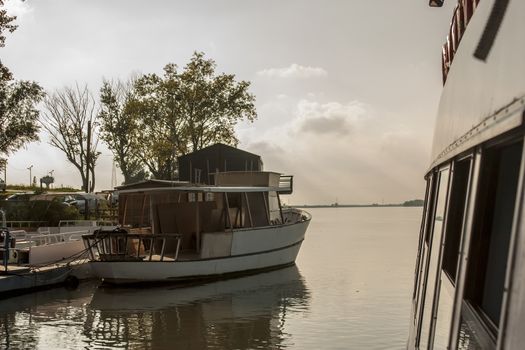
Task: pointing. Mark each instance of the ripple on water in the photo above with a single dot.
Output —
(350, 290)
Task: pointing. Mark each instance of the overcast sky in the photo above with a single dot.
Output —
(347, 90)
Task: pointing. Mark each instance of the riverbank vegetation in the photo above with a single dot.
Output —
(146, 122)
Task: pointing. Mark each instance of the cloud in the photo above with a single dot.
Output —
(17, 8)
(294, 71)
(328, 118)
(339, 148)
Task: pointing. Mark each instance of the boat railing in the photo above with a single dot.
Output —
(292, 215)
(74, 223)
(124, 246)
(18, 234)
(53, 238)
(25, 224)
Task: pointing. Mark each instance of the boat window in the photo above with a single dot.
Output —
(443, 309)
(489, 248)
(209, 197)
(423, 265)
(236, 209)
(275, 211)
(135, 210)
(426, 227)
(258, 209)
(433, 245)
(421, 235)
(455, 216)
(445, 288)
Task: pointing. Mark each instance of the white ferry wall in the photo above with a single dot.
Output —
(480, 114)
(476, 90)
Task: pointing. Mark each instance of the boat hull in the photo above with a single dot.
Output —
(244, 259)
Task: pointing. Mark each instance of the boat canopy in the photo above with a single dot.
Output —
(214, 189)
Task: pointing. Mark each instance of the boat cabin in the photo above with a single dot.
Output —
(195, 221)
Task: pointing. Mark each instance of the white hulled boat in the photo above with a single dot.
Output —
(184, 232)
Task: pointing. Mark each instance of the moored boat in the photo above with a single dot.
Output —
(47, 257)
(186, 232)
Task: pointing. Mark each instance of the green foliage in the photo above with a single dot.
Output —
(18, 115)
(5, 23)
(50, 211)
(25, 188)
(120, 129)
(163, 117)
(414, 203)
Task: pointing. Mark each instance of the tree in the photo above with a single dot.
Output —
(213, 104)
(18, 115)
(119, 129)
(187, 111)
(5, 23)
(162, 137)
(70, 120)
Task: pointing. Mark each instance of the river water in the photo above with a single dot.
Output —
(350, 289)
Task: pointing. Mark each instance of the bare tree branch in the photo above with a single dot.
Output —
(68, 113)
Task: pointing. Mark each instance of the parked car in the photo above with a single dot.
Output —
(79, 200)
(19, 197)
(64, 198)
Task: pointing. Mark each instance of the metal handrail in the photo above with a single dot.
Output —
(27, 223)
(52, 238)
(123, 246)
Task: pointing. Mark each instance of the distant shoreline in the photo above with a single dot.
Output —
(354, 206)
(407, 204)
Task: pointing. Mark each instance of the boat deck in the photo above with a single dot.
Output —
(186, 256)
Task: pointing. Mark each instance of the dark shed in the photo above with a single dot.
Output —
(199, 166)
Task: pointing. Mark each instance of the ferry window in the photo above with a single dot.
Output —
(422, 251)
(421, 235)
(490, 239)
(445, 289)
(423, 262)
(455, 215)
(433, 243)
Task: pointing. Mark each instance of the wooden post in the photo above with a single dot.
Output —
(208, 172)
(197, 225)
(125, 210)
(228, 210)
(142, 211)
(280, 207)
(248, 208)
(266, 207)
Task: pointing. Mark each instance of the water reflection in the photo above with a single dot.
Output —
(248, 312)
(38, 320)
